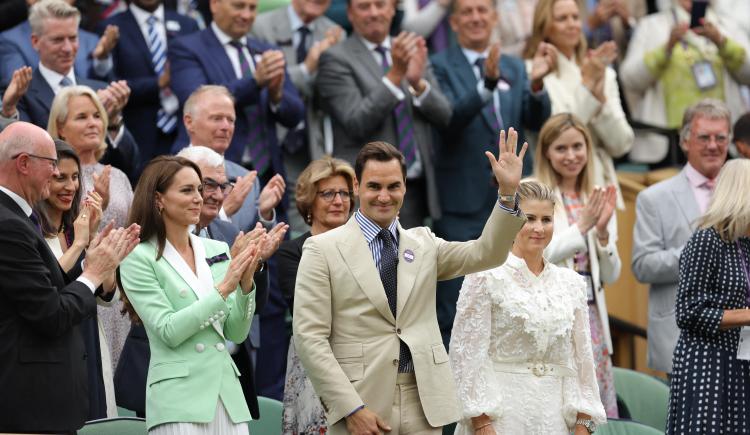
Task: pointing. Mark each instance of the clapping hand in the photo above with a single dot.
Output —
(508, 167)
(492, 63)
(274, 239)
(242, 186)
(543, 63)
(16, 89)
(101, 185)
(107, 42)
(271, 196)
(599, 208)
(107, 250)
(238, 268)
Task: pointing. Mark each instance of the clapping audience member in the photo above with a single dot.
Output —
(253, 71)
(583, 84)
(78, 118)
(585, 230)
(302, 33)
(191, 296)
(92, 57)
(69, 222)
(428, 19)
(666, 217)
(44, 357)
(710, 384)
(669, 67)
(147, 28)
(380, 88)
(611, 20)
(521, 348)
(325, 192)
(488, 92)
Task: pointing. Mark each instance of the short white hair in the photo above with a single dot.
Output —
(15, 145)
(202, 156)
(46, 9)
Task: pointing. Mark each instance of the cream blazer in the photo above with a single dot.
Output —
(612, 135)
(345, 334)
(567, 240)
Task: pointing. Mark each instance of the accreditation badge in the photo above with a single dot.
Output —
(743, 348)
(704, 75)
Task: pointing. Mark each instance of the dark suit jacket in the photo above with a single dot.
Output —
(200, 59)
(463, 172)
(16, 51)
(288, 256)
(43, 372)
(352, 91)
(132, 62)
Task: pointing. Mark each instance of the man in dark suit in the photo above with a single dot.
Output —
(56, 69)
(488, 92)
(146, 29)
(378, 88)
(254, 73)
(43, 374)
(93, 59)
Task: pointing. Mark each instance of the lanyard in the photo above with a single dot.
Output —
(745, 270)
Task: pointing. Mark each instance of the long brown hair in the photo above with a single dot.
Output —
(552, 129)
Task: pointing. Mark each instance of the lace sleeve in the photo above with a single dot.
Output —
(583, 390)
(469, 350)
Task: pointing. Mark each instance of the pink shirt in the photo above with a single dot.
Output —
(702, 187)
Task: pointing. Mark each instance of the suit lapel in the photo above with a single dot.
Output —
(408, 249)
(685, 200)
(358, 258)
(360, 51)
(40, 90)
(132, 32)
(468, 80)
(215, 51)
(202, 282)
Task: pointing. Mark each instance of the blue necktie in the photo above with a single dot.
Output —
(388, 276)
(165, 121)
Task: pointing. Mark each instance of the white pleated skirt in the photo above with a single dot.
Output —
(221, 425)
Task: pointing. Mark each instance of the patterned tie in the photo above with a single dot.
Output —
(35, 220)
(304, 33)
(404, 125)
(489, 109)
(388, 275)
(165, 121)
(256, 140)
(65, 82)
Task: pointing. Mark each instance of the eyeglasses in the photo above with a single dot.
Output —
(210, 186)
(49, 159)
(328, 195)
(705, 139)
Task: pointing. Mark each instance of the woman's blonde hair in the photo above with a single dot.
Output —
(316, 171)
(541, 25)
(530, 188)
(729, 210)
(551, 130)
(58, 115)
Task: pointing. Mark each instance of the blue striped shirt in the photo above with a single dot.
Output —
(370, 230)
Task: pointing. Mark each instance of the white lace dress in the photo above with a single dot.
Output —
(521, 350)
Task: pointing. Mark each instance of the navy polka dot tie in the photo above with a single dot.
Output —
(388, 275)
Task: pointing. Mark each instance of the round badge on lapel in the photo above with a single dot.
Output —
(409, 255)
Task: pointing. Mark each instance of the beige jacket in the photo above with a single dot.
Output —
(345, 334)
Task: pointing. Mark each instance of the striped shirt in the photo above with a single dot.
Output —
(370, 230)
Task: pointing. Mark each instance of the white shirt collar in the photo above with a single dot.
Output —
(142, 15)
(53, 78)
(371, 45)
(294, 20)
(473, 55)
(18, 200)
(223, 38)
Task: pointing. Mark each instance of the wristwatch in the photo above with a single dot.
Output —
(588, 424)
(506, 198)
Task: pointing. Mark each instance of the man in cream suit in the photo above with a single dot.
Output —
(366, 331)
(666, 216)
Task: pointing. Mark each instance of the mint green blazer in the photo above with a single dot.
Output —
(187, 323)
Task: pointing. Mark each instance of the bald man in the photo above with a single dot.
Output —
(43, 371)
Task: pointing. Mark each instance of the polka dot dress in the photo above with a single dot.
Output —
(710, 388)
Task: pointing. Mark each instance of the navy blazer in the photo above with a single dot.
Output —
(43, 372)
(464, 175)
(132, 62)
(199, 59)
(16, 51)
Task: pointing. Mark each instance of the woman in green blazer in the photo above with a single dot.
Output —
(194, 302)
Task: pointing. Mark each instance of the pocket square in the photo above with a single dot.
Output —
(217, 259)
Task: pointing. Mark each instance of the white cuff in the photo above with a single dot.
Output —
(87, 283)
(395, 90)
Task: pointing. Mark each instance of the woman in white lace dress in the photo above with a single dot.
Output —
(521, 346)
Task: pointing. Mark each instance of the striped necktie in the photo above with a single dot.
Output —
(65, 82)
(257, 143)
(404, 124)
(166, 122)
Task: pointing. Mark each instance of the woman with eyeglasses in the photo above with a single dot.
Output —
(69, 222)
(78, 117)
(324, 192)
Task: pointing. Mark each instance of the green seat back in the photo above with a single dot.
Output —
(115, 426)
(123, 412)
(626, 427)
(270, 417)
(646, 397)
(269, 5)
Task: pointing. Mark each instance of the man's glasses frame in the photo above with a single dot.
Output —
(49, 159)
(210, 186)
